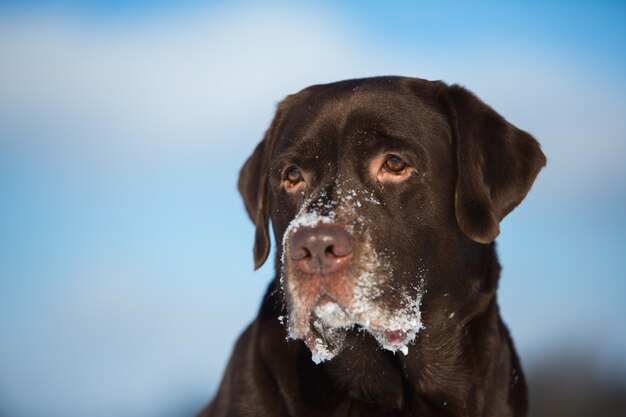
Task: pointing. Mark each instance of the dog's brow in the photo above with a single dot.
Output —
(388, 140)
(295, 151)
(396, 137)
(290, 155)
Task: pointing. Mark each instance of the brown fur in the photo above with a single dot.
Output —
(474, 168)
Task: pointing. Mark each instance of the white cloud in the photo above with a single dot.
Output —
(212, 80)
(195, 79)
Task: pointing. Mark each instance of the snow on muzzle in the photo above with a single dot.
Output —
(327, 301)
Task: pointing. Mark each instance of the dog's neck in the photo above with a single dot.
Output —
(441, 373)
(471, 370)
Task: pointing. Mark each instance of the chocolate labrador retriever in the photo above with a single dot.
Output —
(385, 196)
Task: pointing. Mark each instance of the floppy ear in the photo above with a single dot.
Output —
(254, 188)
(496, 164)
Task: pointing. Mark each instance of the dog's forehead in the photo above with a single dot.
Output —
(321, 118)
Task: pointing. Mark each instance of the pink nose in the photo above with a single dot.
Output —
(321, 250)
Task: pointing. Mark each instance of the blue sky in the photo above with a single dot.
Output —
(125, 251)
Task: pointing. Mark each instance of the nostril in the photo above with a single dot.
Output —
(299, 252)
(342, 245)
(338, 250)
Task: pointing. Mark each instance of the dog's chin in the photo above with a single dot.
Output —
(322, 310)
(331, 324)
(330, 313)
(325, 335)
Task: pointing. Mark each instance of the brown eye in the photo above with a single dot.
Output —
(394, 164)
(293, 176)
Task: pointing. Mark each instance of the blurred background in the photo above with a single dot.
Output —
(125, 252)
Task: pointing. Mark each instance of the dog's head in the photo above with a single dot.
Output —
(383, 194)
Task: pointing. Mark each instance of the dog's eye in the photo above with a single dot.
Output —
(293, 174)
(293, 177)
(394, 164)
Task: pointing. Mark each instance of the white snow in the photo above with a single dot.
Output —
(326, 336)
